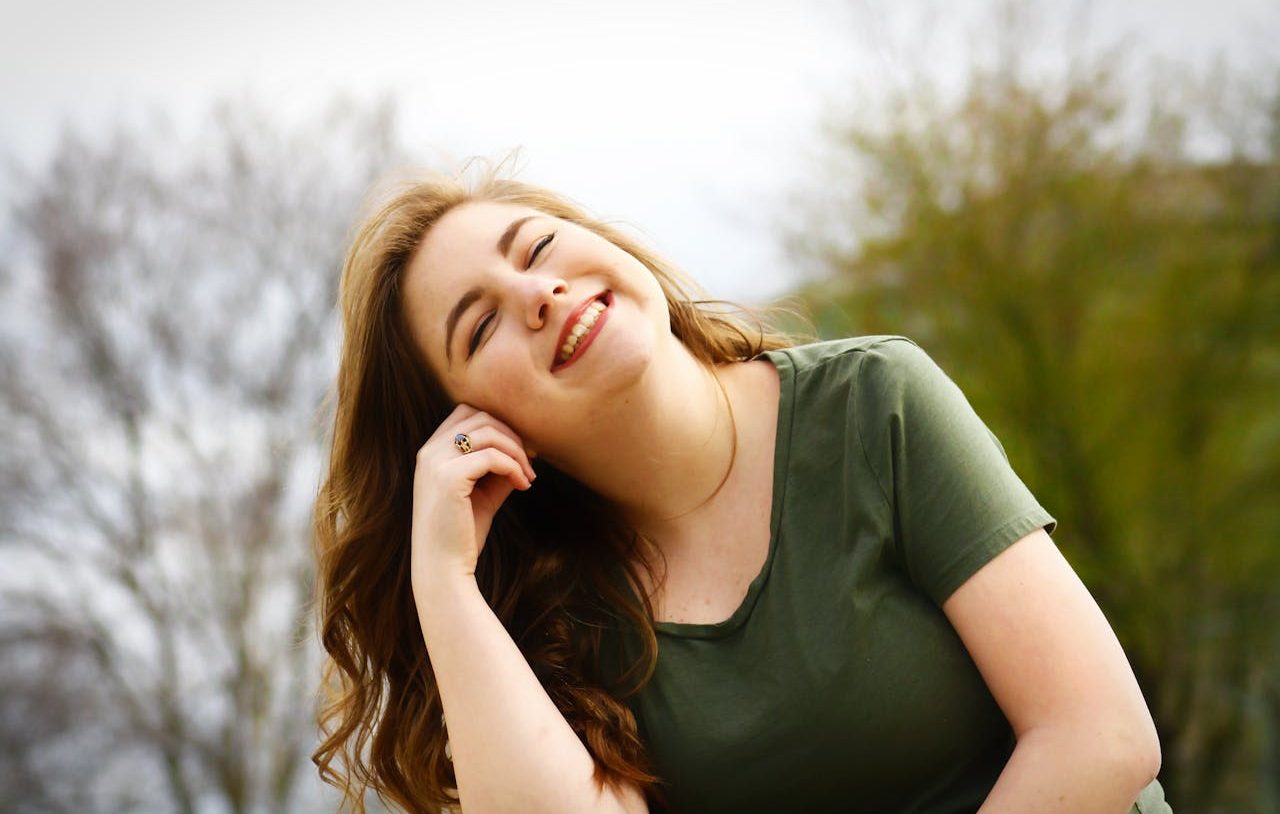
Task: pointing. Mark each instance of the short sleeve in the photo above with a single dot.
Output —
(955, 499)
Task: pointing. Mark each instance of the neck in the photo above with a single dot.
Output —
(666, 451)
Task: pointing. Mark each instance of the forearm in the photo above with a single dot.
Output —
(1066, 770)
(512, 749)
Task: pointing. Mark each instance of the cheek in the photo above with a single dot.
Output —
(526, 417)
(505, 389)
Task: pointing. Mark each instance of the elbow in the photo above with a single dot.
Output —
(1128, 742)
(1123, 754)
(1147, 757)
(1145, 749)
(1135, 753)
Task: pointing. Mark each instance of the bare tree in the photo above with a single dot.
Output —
(168, 337)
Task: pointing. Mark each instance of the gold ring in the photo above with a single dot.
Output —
(463, 442)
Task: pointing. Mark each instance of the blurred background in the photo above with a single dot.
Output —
(1073, 207)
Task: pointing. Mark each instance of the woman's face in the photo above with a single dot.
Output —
(493, 294)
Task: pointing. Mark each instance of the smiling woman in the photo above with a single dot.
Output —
(751, 575)
(554, 318)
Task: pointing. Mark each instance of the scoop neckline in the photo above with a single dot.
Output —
(781, 452)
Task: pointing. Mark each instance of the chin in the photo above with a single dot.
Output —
(627, 364)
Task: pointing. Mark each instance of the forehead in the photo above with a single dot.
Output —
(464, 239)
(456, 251)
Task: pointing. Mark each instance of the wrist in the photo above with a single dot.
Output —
(434, 588)
(435, 570)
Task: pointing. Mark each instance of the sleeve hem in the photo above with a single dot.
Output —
(982, 552)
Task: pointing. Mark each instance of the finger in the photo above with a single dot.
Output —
(489, 461)
(482, 419)
(488, 436)
(469, 420)
(445, 430)
(462, 412)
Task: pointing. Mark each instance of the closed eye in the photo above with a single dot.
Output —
(479, 332)
(483, 324)
(539, 247)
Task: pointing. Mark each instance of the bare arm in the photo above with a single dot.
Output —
(512, 749)
(1085, 740)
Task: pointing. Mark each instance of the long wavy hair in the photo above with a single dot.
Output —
(559, 588)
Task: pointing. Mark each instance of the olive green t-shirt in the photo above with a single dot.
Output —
(838, 685)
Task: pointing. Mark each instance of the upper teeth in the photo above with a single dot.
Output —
(589, 316)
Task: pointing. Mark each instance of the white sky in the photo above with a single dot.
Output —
(691, 120)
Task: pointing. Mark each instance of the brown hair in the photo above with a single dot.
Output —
(554, 586)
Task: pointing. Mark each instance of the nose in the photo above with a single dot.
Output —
(538, 294)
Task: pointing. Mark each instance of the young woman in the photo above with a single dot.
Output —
(588, 544)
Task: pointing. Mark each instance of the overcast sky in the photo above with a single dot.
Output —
(691, 120)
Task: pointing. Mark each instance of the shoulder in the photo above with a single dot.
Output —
(876, 366)
(816, 355)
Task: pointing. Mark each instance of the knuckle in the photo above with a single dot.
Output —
(493, 421)
(497, 456)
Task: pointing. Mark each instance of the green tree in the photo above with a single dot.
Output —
(1111, 306)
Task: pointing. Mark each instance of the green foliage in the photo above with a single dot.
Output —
(1111, 306)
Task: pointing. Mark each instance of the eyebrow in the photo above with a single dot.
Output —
(502, 247)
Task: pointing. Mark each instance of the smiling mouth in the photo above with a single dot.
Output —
(580, 329)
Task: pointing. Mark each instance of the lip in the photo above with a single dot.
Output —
(606, 297)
